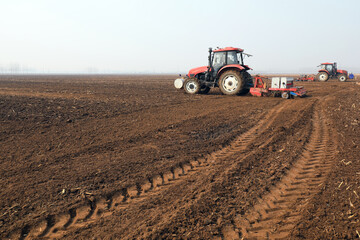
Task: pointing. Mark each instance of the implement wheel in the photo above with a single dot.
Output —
(285, 95)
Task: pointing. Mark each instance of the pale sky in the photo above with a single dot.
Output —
(170, 36)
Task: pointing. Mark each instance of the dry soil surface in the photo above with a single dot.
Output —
(124, 157)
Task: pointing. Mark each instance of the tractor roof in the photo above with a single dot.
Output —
(327, 63)
(228, 49)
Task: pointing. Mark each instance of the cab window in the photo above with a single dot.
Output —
(232, 58)
(329, 68)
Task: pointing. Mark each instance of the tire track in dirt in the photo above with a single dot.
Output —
(276, 214)
(221, 167)
(56, 226)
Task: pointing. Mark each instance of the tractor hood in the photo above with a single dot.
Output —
(342, 71)
(193, 72)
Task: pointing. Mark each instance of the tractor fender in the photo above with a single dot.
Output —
(230, 67)
(248, 68)
(323, 70)
(195, 71)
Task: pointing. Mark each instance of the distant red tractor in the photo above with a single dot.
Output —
(226, 70)
(328, 70)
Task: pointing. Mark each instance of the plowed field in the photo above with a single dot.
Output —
(131, 157)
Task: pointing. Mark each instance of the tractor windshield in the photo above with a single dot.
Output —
(329, 68)
(219, 59)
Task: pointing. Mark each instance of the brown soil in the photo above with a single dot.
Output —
(124, 157)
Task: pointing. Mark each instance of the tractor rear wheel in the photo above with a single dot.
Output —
(231, 82)
(322, 76)
(248, 82)
(191, 86)
(342, 77)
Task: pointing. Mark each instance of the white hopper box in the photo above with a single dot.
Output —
(282, 82)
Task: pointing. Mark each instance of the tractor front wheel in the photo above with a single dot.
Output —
(342, 77)
(322, 76)
(191, 86)
(231, 82)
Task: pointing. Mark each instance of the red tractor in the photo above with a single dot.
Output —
(226, 70)
(328, 70)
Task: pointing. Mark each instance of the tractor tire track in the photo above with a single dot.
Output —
(276, 214)
(215, 167)
(56, 226)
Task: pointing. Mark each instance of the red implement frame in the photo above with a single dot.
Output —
(260, 89)
(306, 78)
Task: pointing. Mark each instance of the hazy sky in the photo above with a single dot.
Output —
(172, 36)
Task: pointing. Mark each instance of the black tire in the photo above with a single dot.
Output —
(322, 76)
(191, 86)
(231, 82)
(248, 83)
(204, 89)
(244, 91)
(342, 77)
(285, 95)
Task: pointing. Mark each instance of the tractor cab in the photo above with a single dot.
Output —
(329, 67)
(220, 58)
